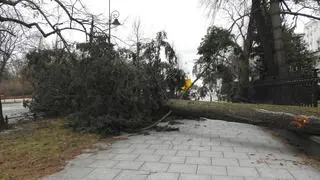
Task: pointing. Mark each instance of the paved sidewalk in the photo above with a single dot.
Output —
(205, 150)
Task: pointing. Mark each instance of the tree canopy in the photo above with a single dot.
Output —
(101, 88)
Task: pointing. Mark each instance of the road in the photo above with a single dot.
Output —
(12, 110)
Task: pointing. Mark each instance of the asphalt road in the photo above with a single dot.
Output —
(12, 110)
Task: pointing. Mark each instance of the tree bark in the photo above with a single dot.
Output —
(265, 36)
(281, 94)
(2, 121)
(279, 54)
(244, 61)
(3, 124)
(299, 123)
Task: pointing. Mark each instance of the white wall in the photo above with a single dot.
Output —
(312, 35)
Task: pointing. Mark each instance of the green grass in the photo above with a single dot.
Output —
(243, 106)
(40, 148)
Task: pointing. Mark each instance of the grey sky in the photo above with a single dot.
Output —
(184, 21)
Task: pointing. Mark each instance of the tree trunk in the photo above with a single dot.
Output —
(265, 36)
(244, 61)
(281, 94)
(3, 124)
(279, 54)
(3, 64)
(268, 69)
(259, 117)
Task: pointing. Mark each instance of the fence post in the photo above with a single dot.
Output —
(316, 92)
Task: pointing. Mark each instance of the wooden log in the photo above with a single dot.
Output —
(259, 117)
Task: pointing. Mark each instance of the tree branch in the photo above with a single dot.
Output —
(236, 20)
(300, 14)
(10, 3)
(7, 31)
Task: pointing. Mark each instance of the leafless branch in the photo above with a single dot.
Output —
(300, 14)
(238, 19)
(8, 44)
(7, 31)
(13, 14)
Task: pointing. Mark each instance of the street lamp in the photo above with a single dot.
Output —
(113, 16)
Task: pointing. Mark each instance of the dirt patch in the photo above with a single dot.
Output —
(40, 148)
(304, 158)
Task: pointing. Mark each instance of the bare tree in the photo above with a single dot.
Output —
(7, 46)
(137, 39)
(212, 6)
(8, 43)
(245, 30)
(19, 16)
(43, 16)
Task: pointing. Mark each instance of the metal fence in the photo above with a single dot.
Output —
(299, 90)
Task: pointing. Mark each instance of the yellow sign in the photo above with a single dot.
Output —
(187, 84)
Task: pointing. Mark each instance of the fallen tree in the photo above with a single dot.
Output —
(243, 114)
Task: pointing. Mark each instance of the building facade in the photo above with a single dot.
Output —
(312, 35)
(312, 38)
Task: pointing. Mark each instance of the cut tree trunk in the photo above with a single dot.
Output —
(259, 117)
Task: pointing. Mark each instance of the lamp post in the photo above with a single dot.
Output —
(113, 16)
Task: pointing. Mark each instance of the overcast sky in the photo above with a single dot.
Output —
(184, 21)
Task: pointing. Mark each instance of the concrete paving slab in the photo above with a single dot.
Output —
(129, 165)
(200, 150)
(305, 174)
(225, 162)
(212, 170)
(275, 173)
(188, 153)
(103, 163)
(165, 152)
(155, 167)
(149, 158)
(163, 176)
(242, 171)
(228, 178)
(199, 160)
(194, 177)
(173, 159)
(183, 168)
(103, 174)
(132, 175)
